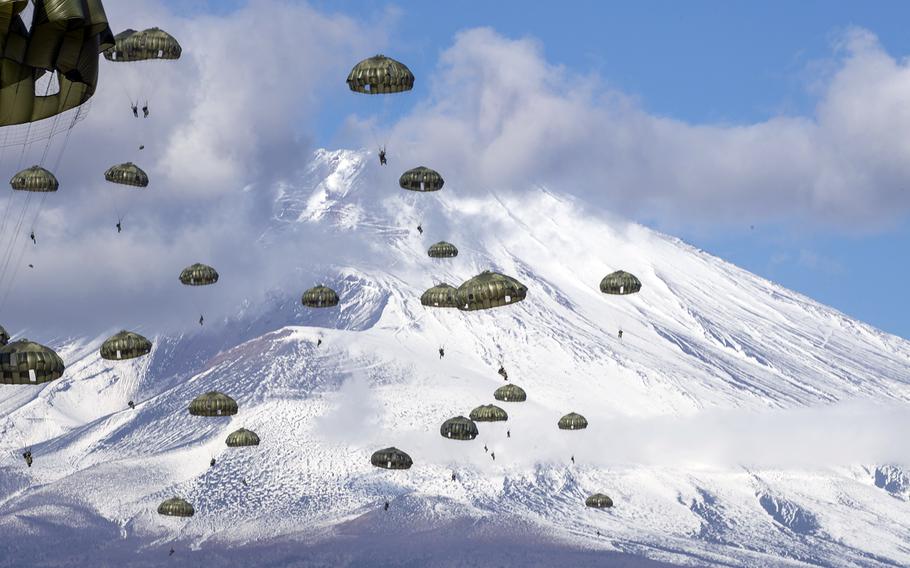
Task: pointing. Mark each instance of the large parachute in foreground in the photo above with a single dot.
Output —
(65, 38)
(25, 362)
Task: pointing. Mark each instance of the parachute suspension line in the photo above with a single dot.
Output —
(9, 202)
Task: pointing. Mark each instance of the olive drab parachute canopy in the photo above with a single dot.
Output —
(125, 345)
(198, 275)
(24, 362)
(599, 501)
(620, 283)
(459, 428)
(65, 37)
(489, 290)
(380, 75)
(421, 179)
(153, 43)
(242, 437)
(127, 174)
(176, 507)
(442, 249)
(572, 421)
(510, 393)
(439, 296)
(4, 336)
(213, 403)
(391, 458)
(489, 413)
(34, 178)
(320, 297)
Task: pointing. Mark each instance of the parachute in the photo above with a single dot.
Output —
(213, 403)
(489, 413)
(242, 437)
(439, 296)
(489, 290)
(198, 275)
(320, 297)
(442, 249)
(421, 178)
(380, 75)
(35, 179)
(176, 507)
(24, 362)
(620, 283)
(510, 393)
(572, 421)
(599, 501)
(125, 345)
(391, 458)
(127, 174)
(153, 43)
(459, 428)
(4, 336)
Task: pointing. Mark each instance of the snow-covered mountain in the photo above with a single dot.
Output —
(696, 415)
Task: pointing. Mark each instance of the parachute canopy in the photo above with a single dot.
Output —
(510, 393)
(153, 43)
(421, 179)
(573, 421)
(4, 336)
(489, 413)
(34, 178)
(176, 507)
(620, 283)
(127, 174)
(391, 458)
(320, 297)
(489, 290)
(242, 437)
(198, 275)
(439, 296)
(125, 345)
(25, 362)
(442, 249)
(380, 74)
(213, 403)
(459, 428)
(65, 37)
(599, 501)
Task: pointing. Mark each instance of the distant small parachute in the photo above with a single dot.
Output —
(320, 297)
(572, 421)
(489, 290)
(24, 362)
(442, 249)
(599, 501)
(213, 403)
(421, 178)
(153, 43)
(439, 296)
(198, 275)
(4, 336)
(459, 428)
(380, 75)
(35, 179)
(242, 437)
(620, 283)
(125, 345)
(510, 393)
(489, 413)
(127, 174)
(391, 458)
(176, 507)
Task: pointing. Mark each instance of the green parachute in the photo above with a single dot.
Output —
(489, 290)
(4, 336)
(23, 362)
(380, 75)
(421, 178)
(439, 296)
(153, 43)
(599, 501)
(510, 393)
(620, 283)
(198, 275)
(459, 428)
(442, 249)
(320, 297)
(242, 437)
(489, 413)
(213, 403)
(35, 179)
(125, 345)
(572, 421)
(127, 174)
(176, 507)
(391, 458)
